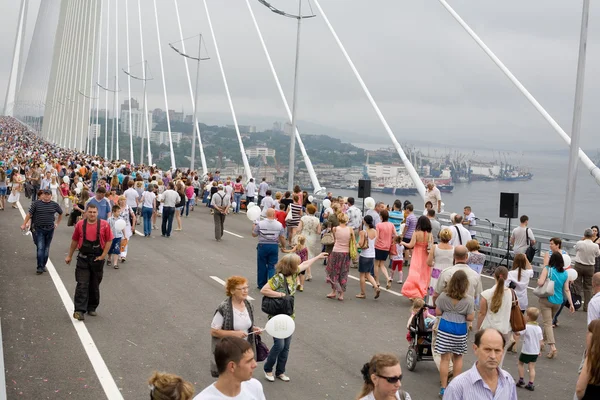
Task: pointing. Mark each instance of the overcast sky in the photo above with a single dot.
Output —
(428, 76)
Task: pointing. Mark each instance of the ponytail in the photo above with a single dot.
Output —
(500, 274)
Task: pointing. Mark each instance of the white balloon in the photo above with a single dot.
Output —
(233, 205)
(567, 260)
(250, 205)
(310, 199)
(370, 203)
(120, 225)
(572, 274)
(253, 213)
(281, 326)
(66, 179)
(77, 190)
(80, 185)
(326, 203)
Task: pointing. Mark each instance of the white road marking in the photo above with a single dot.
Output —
(106, 380)
(2, 376)
(234, 234)
(222, 282)
(382, 289)
(131, 342)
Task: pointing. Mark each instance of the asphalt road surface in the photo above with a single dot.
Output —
(155, 314)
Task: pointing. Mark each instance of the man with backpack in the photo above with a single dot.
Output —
(220, 203)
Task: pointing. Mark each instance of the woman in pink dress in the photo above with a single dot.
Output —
(419, 273)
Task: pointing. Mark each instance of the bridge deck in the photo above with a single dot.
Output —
(156, 310)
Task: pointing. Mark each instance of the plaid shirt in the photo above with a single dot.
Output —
(354, 217)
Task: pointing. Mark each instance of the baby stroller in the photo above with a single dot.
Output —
(419, 337)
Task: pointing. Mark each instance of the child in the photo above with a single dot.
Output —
(281, 214)
(302, 252)
(64, 192)
(533, 340)
(397, 261)
(115, 248)
(417, 305)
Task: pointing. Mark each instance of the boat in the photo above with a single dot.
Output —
(406, 191)
(389, 190)
(517, 176)
(445, 188)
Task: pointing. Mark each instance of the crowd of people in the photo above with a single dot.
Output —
(105, 200)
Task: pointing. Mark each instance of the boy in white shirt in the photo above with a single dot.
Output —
(397, 261)
(533, 340)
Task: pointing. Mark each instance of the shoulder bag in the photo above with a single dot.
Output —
(517, 321)
(279, 305)
(353, 247)
(289, 216)
(530, 252)
(547, 289)
(262, 351)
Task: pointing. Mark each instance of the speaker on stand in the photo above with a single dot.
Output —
(364, 191)
(509, 208)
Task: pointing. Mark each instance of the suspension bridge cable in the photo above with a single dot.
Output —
(106, 99)
(409, 167)
(237, 129)
(97, 102)
(311, 171)
(194, 105)
(73, 72)
(117, 108)
(92, 74)
(129, 87)
(66, 46)
(162, 70)
(86, 40)
(147, 122)
(58, 76)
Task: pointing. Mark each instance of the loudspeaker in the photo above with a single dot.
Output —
(509, 205)
(364, 188)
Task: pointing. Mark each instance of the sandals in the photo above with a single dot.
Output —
(361, 296)
(329, 296)
(552, 354)
(389, 284)
(377, 292)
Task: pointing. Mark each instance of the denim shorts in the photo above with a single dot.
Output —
(115, 247)
(3, 191)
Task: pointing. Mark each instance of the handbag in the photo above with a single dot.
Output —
(576, 299)
(289, 216)
(353, 248)
(327, 239)
(530, 252)
(262, 351)
(279, 305)
(517, 320)
(547, 289)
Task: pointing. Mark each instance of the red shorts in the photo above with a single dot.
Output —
(397, 265)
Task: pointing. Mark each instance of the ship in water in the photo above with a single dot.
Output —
(395, 180)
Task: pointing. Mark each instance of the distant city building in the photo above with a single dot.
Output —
(101, 114)
(287, 129)
(134, 105)
(277, 127)
(95, 130)
(137, 122)
(159, 115)
(385, 171)
(253, 152)
(175, 116)
(189, 119)
(163, 137)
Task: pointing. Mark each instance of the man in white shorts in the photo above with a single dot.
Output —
(235, 362)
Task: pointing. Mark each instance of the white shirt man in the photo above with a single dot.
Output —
(354, 215)
(520, 236)
(262, 189)
(229, 190)
(460, 236)
(434, 196)
(251, 189)
(235, 373)
(469, 220)
(170, 197)
(593, 311)
(132, 197)
(267, 202)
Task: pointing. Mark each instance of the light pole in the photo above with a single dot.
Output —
(195, 117)
(299, 17)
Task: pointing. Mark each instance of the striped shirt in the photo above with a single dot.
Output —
(470, 386)
(42, 213)
(268, 231)
(411, 225)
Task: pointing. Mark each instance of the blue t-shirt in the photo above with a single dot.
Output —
(559, 279)
(396, 218)
(104, 208)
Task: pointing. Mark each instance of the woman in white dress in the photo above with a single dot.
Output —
(310, 228)
(440, 258)
(128, 216)
(54, 188)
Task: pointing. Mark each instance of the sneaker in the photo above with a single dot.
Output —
(442, 390)
(400, 281)
(116, 266)
(109, 263)
(530, 387)
(269, 376)
(39, 272)
(520, 383)
(283, 377)
(92, 313)
(78, 316)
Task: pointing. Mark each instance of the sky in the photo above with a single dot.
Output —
(430, 79)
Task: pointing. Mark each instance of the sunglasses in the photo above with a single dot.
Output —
(391, 379)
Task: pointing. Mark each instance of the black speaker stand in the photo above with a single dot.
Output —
(507, 255)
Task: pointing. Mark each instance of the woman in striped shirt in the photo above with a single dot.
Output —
(295, 221)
